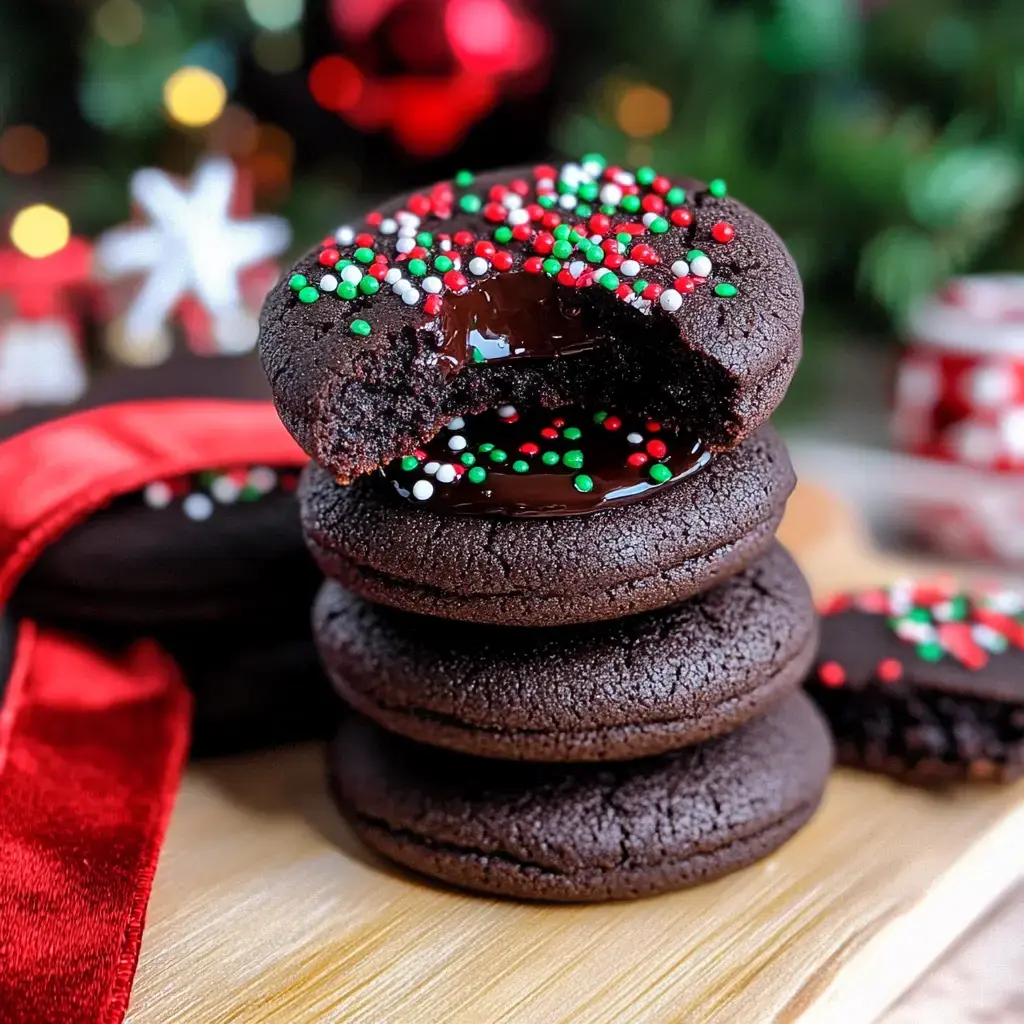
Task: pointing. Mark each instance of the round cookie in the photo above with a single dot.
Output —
(604, 691)
(225, 544)
(524, 571)
(536, 286)
(585, 832)
(925, 683)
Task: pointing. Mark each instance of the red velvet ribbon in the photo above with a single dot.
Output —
(92, 746)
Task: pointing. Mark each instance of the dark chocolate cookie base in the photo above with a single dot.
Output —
(585, 833)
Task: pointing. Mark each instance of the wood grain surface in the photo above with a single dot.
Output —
(266, 909)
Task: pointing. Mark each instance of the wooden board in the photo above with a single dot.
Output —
(266, 909)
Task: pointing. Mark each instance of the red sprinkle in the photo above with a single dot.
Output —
(535, 210)
(652, 427)
(529, 448)
(380, 258)
(559, 422)
(652, 291)
(432, 304)
(723, 231)
(624, 290)
(419, 205)
(656, 449)
(377, 270)
(364, 240)
(661, 184)
(544, 243)
(417, 252)
(455, 281)
(564, 277)
(637, 459)
(889, 670)
(533, 265)
(551, 220)
(612, 423)
(686, 285)
(643, 253)
(497, 193)
(420, 454)
(519, 186)
(610, 245)
(544, 171)
(463, 238)
(682, 218)
(614, 260)
(680, 284)
(652, 204)
(522, 232)
(329, 257)
(502, 260)
(831, 674)
(549, 432)
(374, 219)
(495, 212)
(484, 248)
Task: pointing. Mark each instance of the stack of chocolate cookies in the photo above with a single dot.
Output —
(545, 496)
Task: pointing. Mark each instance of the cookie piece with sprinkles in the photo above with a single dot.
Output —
(924, 681)
(549, 285)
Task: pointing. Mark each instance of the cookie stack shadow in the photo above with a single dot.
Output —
(576, 707)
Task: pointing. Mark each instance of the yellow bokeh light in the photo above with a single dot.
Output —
(194, 97)
(643, 111)
(40, 230)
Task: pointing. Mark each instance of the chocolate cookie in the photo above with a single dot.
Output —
(925, 683)
(535, 286)
(226, 544)
(585, 832)
(525, 570)
(605, 691)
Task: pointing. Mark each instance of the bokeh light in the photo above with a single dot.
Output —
(40, 230)
(194, 97)
(277, 52)
(643, 111)
(119, 22)
(274, 15)
(336, 83)
(23, 149)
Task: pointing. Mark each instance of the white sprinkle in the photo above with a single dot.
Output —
(431, 284)
(401, 286)
(157, 494)
(263, 478)
(457, 442)
(600, 272)
(197, 507)
(630, 268)
(445, 244)
(700, 267)
(635, 438)
(407, 231)
(430, 468)
(405, 218)
(328, 283)
(352, 274)
(680, 268)
(641, 305)
(596, 239)
(611, 194)
(478, 265)
(411, 296)
(225, 490)
(506, 411)
(393, 275)
(456, 424)
(650, 218)
(517, 217)
(577, 267)
(670, 300)
(405, 244)
(388, 226)
(593, 168)
(446, 474)
(511, 200)
(545, 184)
(344, 235)
(573, 174)
(625, 178)
(422, 489)
(567, 202)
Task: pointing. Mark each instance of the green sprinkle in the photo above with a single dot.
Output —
(467, 459)
(957, 609)
(660, 473)
(583, 210)
(248, 493)
(561, 250)
(521, 466)
(574, 236)
(443, 263)
(600, 417)
(609, 281)
(659, 225)
(503, 234)
(478, 356)
(564, 188)
(546, 201)
(645, 175)
(572, 433)
(693, 254)
(624, 237)
(297, 282)
(583, 483)
(573, 459)
(726, 290)
(551, 458)
(464, 179)
(498, 455)
(359, 327)
(608, 210)
(631, 203)
(417, 268)
(589, 191)
(485, 448)
(675, 196)
(639, 285)
(410, 462)
(470, 204)
(477, 475)
(342, 264)
(363, 254)
(550, 266)
(595, 254)
(369, 285)
(929, 651)
(594, 158)
(425, 238)
(347, 290)
(308, 294)
(718, 188)
(561, 233)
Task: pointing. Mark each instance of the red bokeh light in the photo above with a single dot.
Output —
(336, 83)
